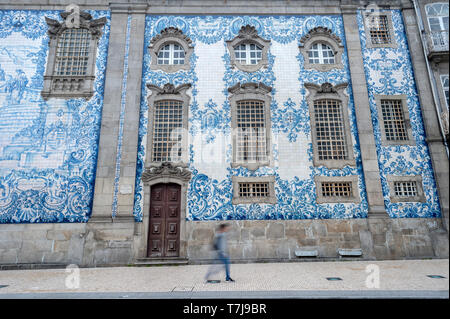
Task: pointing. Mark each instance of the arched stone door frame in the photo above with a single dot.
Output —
(165, 173)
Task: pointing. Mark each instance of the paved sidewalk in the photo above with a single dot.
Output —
(262, 279)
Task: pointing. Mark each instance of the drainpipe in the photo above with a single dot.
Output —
(437, 101)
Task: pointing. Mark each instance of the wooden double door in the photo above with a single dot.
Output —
(164, 228)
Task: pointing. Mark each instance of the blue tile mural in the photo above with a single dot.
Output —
(48, 149)
(209, 198)
(389, 72)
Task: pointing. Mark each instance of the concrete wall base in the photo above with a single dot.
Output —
(119, 243)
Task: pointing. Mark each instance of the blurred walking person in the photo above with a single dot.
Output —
(220, 250)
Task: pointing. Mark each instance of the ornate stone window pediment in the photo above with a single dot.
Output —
(330, 125)
(322, 50)
(168, 124)
(248, 51)
(171, 51)
(166, 170)
(71, 59)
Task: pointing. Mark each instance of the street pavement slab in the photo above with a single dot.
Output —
(356, 279)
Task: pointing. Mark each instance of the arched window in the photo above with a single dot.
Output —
(321, 49)
(171, 54)
(170, 51)
(71, 58)
(248, 53)
(320, 53)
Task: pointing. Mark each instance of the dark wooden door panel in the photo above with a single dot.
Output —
(164, 236)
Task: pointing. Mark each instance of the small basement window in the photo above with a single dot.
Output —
(253, 190)
(249, 190)
(406, 188)
(337, 189)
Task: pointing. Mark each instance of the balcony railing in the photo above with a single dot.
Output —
(437, 41)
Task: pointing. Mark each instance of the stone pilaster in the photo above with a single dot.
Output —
(363, 116)
(107, 150)
(125, 200)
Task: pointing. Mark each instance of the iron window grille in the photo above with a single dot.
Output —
(393, 120)
(405, 189)
(379, 29)
(253, 190)
(167, 123)
(250, 190)
(330, 132)
(337, 189)
(251, 131)
(72, 53)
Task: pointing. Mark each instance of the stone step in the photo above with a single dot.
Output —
(28, 266)
(142, 262)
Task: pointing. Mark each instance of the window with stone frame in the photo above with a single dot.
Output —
(394, 120)
(330, 127)
(168, 124)
(405, 188)
(321, 49)
(337, 189)
(250, 190)
(445, 88)
(320, 53)
(171, 54)
(171, 51)
(250, 119)
(379, 30)
(248, 51)
(70, 71)
(437, 16)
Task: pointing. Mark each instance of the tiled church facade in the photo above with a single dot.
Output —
(76, 175)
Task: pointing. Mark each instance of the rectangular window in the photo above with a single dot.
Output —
(445, 88)
(250, 190)
(393, 119)
(405, 189)
(330, 133)
(253, 190)
(72, 52)
(251, 135)
(167, 123)
(379, 29)
(337, 189)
